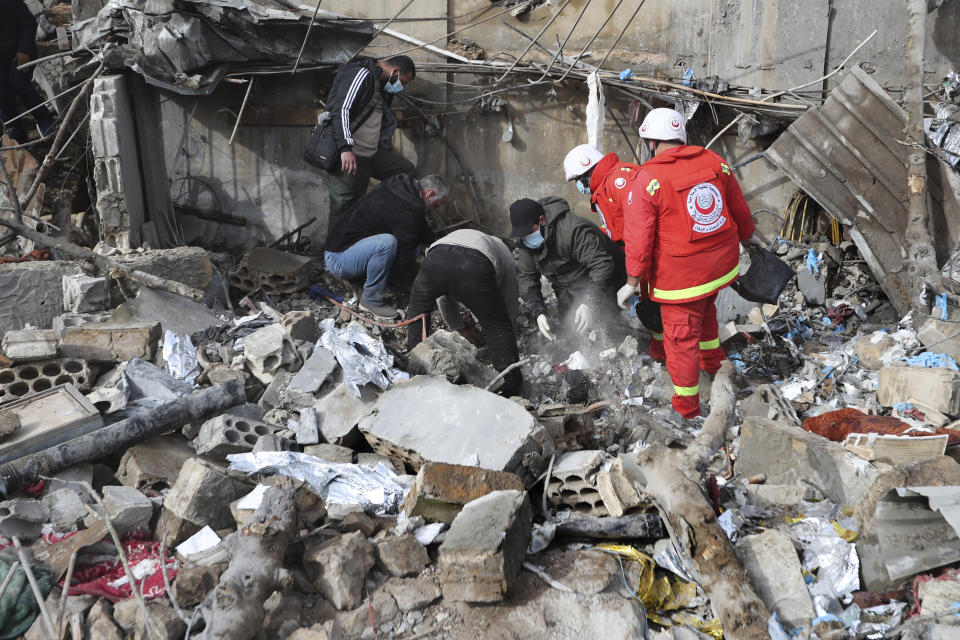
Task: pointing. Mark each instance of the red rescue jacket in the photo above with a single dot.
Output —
(683, 224)
(607, 195)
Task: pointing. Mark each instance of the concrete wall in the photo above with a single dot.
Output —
(769, 43)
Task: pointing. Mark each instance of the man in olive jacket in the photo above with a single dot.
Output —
(580, 262)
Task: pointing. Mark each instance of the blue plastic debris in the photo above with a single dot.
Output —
(902, 406)
(813, 263)
(933, 360)
(826, 321)
(688, 77)
(626, 74)
(942, 303)
(319, 292)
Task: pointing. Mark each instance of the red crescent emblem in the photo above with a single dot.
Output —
(585, 161)
(708, 209)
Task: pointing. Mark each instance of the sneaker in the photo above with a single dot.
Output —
(378, 309)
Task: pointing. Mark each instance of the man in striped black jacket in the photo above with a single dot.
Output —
(363, 124)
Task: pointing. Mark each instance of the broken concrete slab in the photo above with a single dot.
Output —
(790, 455)
(308, 380)
(174, 313)
(308, 427)
(83, 293)
(190, 265)
(440, 490)
(771, 561)
(616, 488)
(9, 424)
(491, 429)
(154, 464)
(127, 509)
(874, 350)
(67, 510)
(484, 549)
(940, 336)
(266, 350)
(301, 325)
(937, 388)
(26, 345)
(201, 496)
(402, 556)
(23, 518)
(413, 594)
(271, 270)
(146, 380)
(329, 452)
(449, 354)
(108, 342)
(32, 293)
(340, 411)
(339, 567)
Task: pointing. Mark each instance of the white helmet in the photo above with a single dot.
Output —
(663, 124)
(581, 159)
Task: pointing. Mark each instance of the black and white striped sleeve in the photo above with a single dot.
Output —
(344, 116)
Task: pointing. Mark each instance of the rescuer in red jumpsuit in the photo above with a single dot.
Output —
(684, 220)
(603, 178)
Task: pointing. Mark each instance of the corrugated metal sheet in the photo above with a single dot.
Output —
(850, 155)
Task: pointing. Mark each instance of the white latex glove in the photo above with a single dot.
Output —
(544, 327)
(624, 293)
(582, 318)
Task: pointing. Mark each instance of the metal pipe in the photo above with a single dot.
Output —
(584, 50)
(622, 31)
(559, 54)
(121, 435)
(532, 42)
(243, 105)
(306, 37)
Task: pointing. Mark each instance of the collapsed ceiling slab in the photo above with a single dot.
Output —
(850, 155)
(190, 47)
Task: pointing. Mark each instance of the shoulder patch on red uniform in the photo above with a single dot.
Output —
(620, 182)
(725, 168)
(653, 187)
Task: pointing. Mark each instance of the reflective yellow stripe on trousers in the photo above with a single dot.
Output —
(710, 344)
(699, 290)
(687, 391)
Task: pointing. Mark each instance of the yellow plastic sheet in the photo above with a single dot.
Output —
(663, 595)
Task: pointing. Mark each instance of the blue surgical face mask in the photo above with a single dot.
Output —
(583, 188)
(533, 240)
(393, 86)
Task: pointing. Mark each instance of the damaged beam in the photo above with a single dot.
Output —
(121, 435)
(672, 479)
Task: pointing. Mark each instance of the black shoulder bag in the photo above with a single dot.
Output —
(322, 151)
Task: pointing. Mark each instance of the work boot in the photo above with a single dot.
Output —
(378, 309)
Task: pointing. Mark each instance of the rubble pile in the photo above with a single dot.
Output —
(215, 446)
(404, 500)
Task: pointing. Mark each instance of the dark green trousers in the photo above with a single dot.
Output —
(345, 189)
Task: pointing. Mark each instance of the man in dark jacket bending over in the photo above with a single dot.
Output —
(363, 124)
(581, 263)
(381, 232)
(478, 270)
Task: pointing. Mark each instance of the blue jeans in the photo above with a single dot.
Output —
(372, 257)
